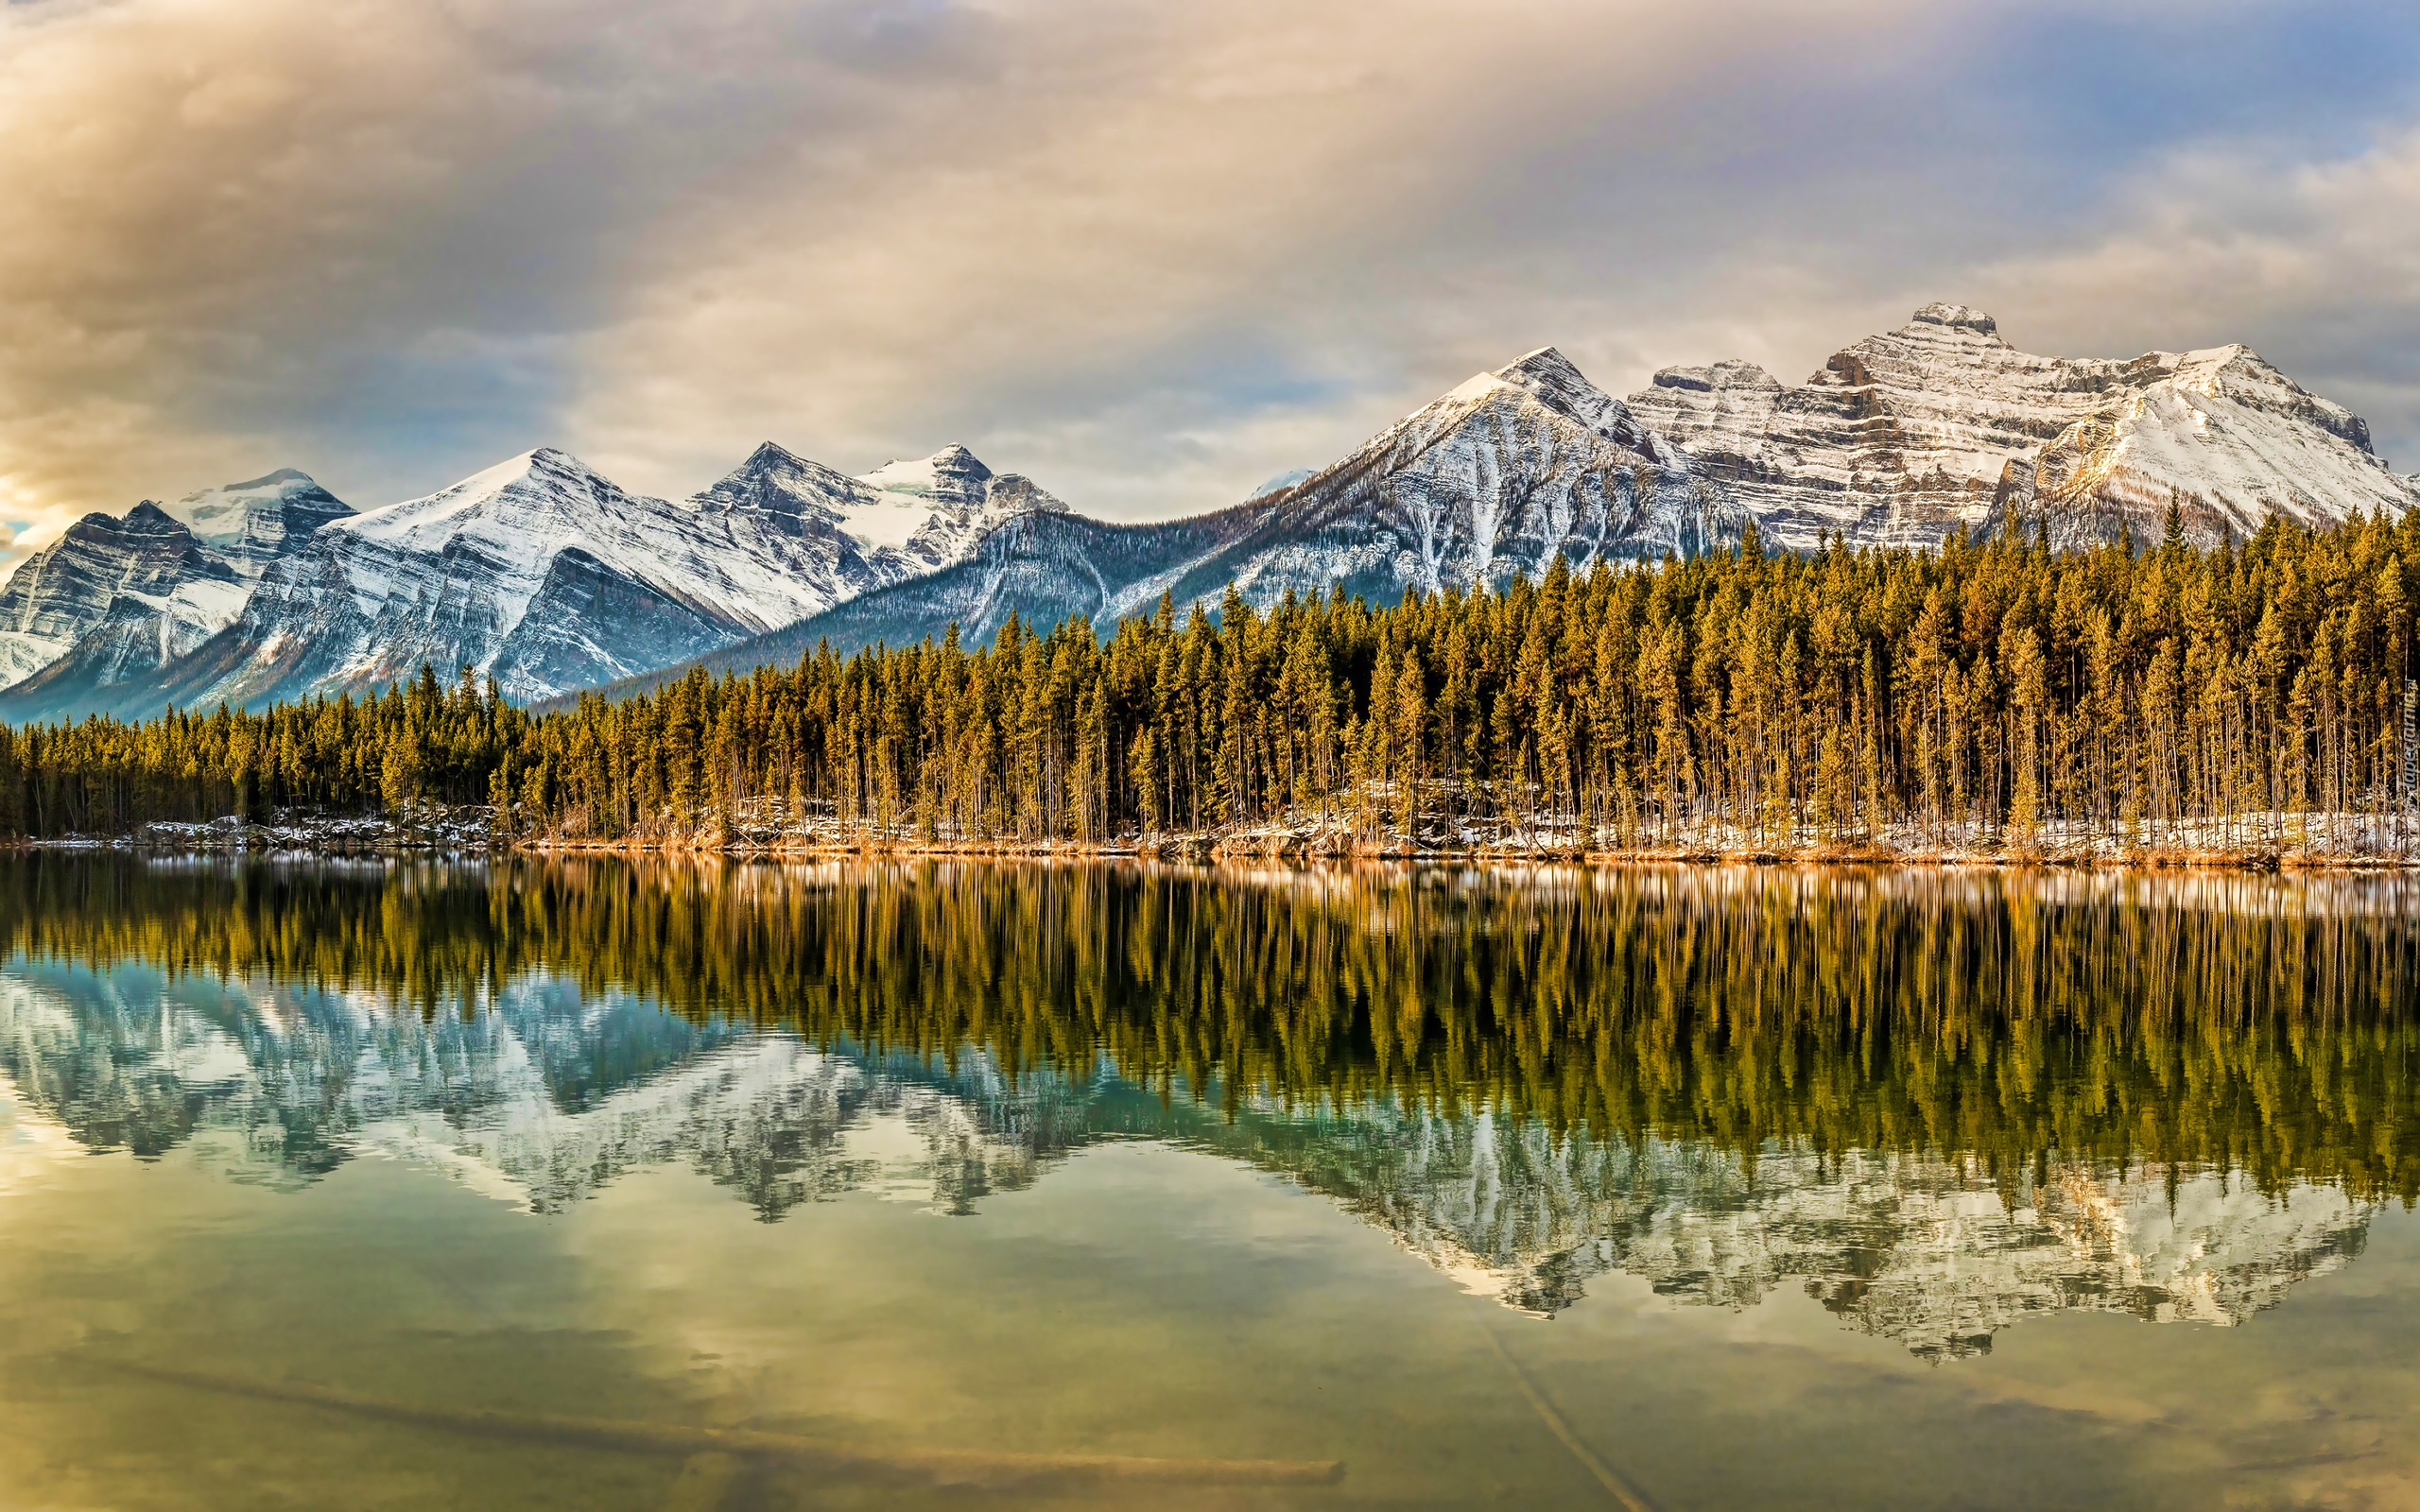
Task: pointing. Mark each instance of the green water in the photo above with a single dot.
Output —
(1701, 1188)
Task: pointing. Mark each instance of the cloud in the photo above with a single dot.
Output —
(2315, 265)
(1150, 255)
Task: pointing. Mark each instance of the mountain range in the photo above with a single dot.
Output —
(551, 578)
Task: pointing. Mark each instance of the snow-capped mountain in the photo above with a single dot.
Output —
(1491, 481)
(2225, 437)
(1906, 437)
(901, 520)
(539, 572)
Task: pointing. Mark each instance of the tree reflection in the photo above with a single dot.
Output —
(1720, 1079)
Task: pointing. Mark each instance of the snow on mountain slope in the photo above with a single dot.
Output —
(1906, 437)
(2226, 438)
(539, 572)
(929, 511)
(1042, 567)
(540, 569)
(1279, 484)
(112, 571)
(550, 578)
(1491, 481)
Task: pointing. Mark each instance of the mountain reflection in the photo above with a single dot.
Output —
(1937, 1102)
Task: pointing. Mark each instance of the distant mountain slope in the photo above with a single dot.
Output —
(257, 522)
(1905, 436)
(929, 511)
(1042, 567)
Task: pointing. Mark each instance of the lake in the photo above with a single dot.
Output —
(651, 1185)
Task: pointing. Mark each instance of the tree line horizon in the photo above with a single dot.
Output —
(1989, 692)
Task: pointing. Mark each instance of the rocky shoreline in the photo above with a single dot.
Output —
(2261, 844)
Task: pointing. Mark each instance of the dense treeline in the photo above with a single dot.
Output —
(1991, 693)
(2259, 1024)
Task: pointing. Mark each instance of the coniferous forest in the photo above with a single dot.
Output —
(1988, 696)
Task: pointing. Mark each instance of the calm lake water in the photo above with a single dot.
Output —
(435, 1186)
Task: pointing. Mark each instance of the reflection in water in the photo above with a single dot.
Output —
(1937, 1102)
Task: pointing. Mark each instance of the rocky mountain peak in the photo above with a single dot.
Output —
(145, 519)
(1732, 373)
(1550, 378)
(1958, 318)
(145, 561)
(260, 520)
(777, 481)
(771, 457)
(1909, 434)
(952, 478)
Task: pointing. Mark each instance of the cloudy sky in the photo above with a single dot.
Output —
(1149, 253)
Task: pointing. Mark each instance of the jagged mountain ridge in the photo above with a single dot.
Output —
(1043, 568)
(1939, 425)
(1494, 480)
(929, 511)
(114, 600)
(562, 580)
(544, 575)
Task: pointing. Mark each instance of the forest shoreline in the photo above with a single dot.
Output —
(470, 831)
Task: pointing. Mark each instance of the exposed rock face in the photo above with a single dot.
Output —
(114, 573)
(779, 504)
(585, 616)
(1490, 482)
(114, 601)
(1939, 425)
